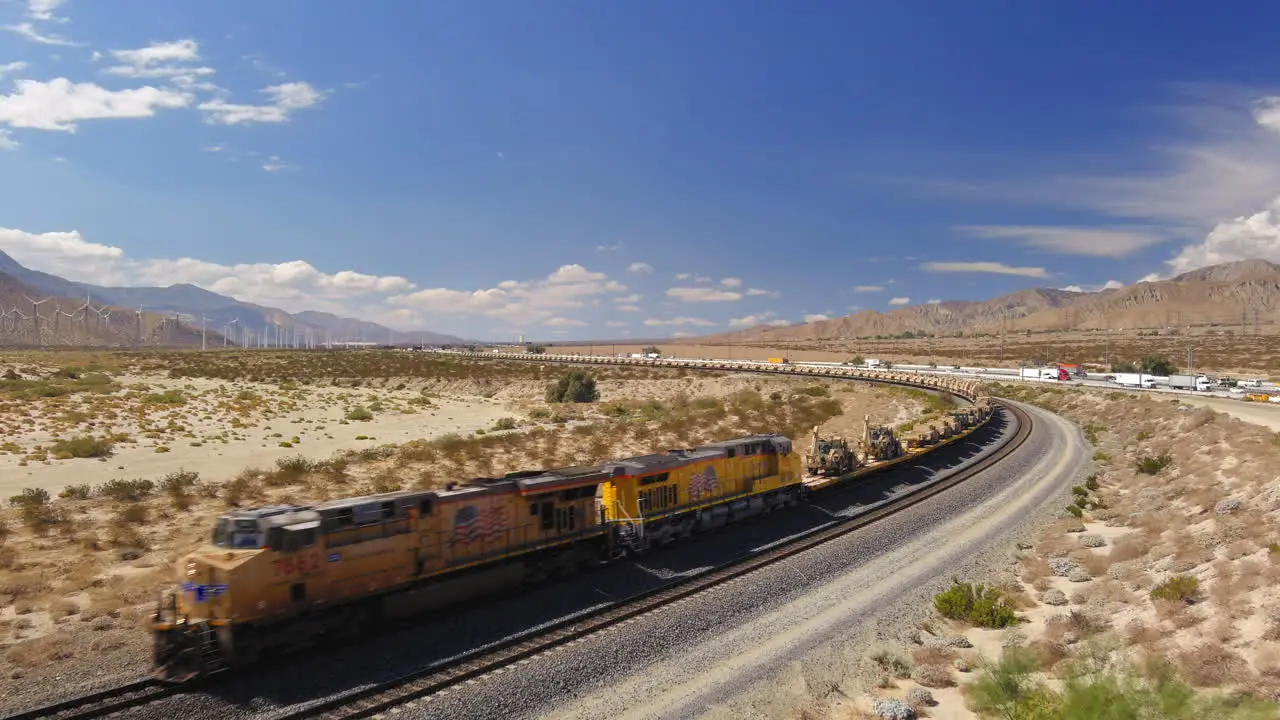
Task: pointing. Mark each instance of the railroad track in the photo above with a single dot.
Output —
(435, 678)
(102, 703)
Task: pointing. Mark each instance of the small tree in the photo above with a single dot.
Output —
(576, 386)
(651, 350)
(1156, 365)
(1123, 367)
(535, 349)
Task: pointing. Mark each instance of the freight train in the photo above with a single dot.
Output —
(280, 577)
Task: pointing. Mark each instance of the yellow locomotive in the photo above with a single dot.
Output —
(281, 576)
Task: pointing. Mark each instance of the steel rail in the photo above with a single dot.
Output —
(103, 702)
(446, 674)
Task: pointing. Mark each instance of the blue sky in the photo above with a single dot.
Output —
(492, 168)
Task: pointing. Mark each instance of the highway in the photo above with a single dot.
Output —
(1093, 380)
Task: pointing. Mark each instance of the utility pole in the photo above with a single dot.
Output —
(204, 344)
(1191, 360)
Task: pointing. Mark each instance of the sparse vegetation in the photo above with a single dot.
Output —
(975, 604)
(573, 387)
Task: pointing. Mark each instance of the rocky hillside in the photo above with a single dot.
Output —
(1232, 296)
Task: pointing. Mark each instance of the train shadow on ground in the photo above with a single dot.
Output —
(330, 669)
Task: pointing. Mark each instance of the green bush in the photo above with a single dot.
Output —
(85, 446)
(1075, 510)
(1091, 482)
(126, 490)
(359, 413)
(1149, 465)
(168, 397)
(1179, 588)
(576, 386)
(1010, 690)
(75, 492)
(978, 605)
(505, 423)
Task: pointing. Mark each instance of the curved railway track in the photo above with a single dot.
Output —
(454, 671)
(433, 679)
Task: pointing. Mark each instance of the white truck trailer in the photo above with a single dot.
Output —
(1189, 382)
(1042, 374)
(1141, 380)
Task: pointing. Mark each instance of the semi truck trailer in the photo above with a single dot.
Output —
(1141, 380)
(1189, 382)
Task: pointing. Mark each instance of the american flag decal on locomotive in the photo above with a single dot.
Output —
(703, 485)
(470, 523)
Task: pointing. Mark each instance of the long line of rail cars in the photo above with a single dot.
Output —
(280, 577)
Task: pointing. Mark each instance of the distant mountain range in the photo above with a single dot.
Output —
(1236, 296)
(189, 303)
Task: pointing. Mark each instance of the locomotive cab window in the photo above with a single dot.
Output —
(424, 507)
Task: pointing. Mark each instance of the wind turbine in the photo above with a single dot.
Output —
(35, 319)
(139, 321)
(204, 345)
(225, 331)
(104, 319)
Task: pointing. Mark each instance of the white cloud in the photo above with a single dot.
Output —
(1108, 285)
(59, 104)
(639, 267)
(815, 317)
(758, 292)
(614, 323)
(899, 300)
(1150, 277)
(689, 294)
(933, 301)
(517, 300)
(752, 320)
(163, 60)
(286, 98)
(627, 299)
(681, 334)
(275, 164)
(600, 248)
(731, 282)
(1254, 236)
(28, 31)
(1110, 242)
(43, 10)
(629, 308)
(701, 278)
(13, 67)
(294, 285)
(984, 267)
(7, 142)
(867, 288)
(679, 322)
(564, 322)
(682, 276)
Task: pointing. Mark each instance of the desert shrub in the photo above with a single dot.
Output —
(1179, 588)
(84, 446)
(1091, 483)
(1148, 465)
(574, 387)
(505, 423)
(76, 492)
(1075, 510)
(976, 604)
(359, 414)
(122, 490)
(35, 510)
(168, 397)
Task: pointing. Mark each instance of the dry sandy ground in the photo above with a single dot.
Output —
(75, 593)
(1084, 590)
(1264, 414)
(200, 436)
